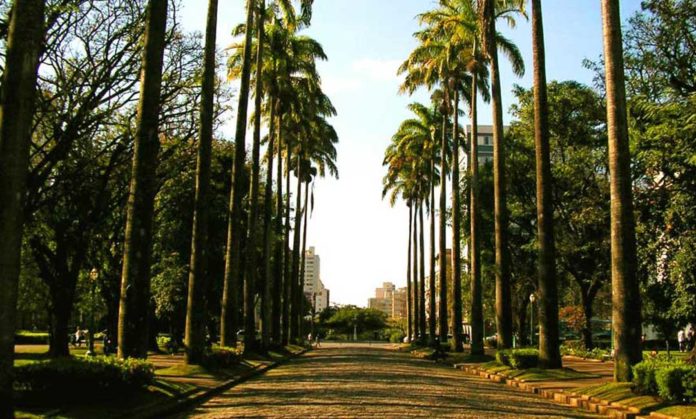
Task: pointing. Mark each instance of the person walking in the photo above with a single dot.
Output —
(681, 338)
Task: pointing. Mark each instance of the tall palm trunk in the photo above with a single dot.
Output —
(194, 335)
(235, 230)
(19, 91)
(135, 277)
(421, 283)
(549, 352)
(626, 304)
(251, 255)
(280, 244)
(300, 291)
(475, 251)
(414, 276)
(443, 324)
(294, 277)
(287, 271)
(269, 242)
(409, 304)
(503, 308)
(456, 303)
(432, 310)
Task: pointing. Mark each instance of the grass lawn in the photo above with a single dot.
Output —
(536, 374)
(622, 393)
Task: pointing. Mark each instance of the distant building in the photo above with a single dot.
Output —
(383, 298)
(399, 298)
(314, 288)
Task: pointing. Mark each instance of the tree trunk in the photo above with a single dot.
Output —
(233, 255)
(19, 90)
(588, 312)
(503, 308)
(135, 277)
(549, 345)
(432, 311)
(414, 276)
(456, 303)
(300, 290)
(62, 299)
(421, 283)
(280, 245)
(294, 278)
(409, 304)
(626, 304)
(287, 285)
(269, 239)
(195, 308)
(443, 231)
(474, 251)
(251, 266)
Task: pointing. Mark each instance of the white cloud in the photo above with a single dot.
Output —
(336, 84)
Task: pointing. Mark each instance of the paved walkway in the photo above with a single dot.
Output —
(374, 381)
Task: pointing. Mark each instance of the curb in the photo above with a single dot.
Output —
(591, 404)
(187, 400)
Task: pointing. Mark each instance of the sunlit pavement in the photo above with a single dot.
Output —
(371, 380)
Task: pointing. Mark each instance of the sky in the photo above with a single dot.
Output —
(361, 240)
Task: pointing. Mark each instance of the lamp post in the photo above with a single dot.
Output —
(355, 328)
(532, 299)
(93, 276)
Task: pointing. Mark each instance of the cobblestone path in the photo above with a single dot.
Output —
(375, 382)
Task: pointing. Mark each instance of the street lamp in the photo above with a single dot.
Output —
(532, 299)
(355, 328)
(93, 276)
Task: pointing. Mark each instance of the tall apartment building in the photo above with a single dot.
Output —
(399, 304)
(313, 286)
(389, 300)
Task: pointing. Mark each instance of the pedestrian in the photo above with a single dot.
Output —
(317, 341)
(681, 338)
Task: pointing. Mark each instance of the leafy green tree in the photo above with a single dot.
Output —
(26, 30)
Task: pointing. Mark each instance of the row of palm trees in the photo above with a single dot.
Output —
(457, 58)
(288, 96)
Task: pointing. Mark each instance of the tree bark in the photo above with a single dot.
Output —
(294, 278)
(251, 266)
(456, 298)
(414, 276)
(503, 307)
(135, 277)
(269, 239)
(409, 304)
(474, 240)
(443, 324)
(194, 339)
(287, 285)
(626, 303)
(547, 288)
(432, 312)
(421, 284)
(26, 30)
(229, 319)
(588, 311)
(280, 245)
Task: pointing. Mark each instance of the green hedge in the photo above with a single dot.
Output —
(25, 337)
(673, 381)
(518, 359)
(70, 379)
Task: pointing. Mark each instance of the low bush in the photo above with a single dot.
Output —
(644, 377)
(672, 380)
(397, 336)
(70, 379)
(521, 359)
(503, 357)
(581, 352)
(221, 358)
(25, 337)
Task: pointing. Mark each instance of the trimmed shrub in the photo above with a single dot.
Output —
(521, 359)
(689, 383)
(503, 357)
(397, 336)
(220, 358)
(69, 379)
(644, 377)
(670, 382)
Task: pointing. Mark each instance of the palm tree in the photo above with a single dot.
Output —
(135, 277)
(489, 11)
(195, 307)
(229, 320)
(549, 345)
(456, 297)
(626, 304)
(26, 30)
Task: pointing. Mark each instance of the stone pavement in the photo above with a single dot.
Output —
(371, 380)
